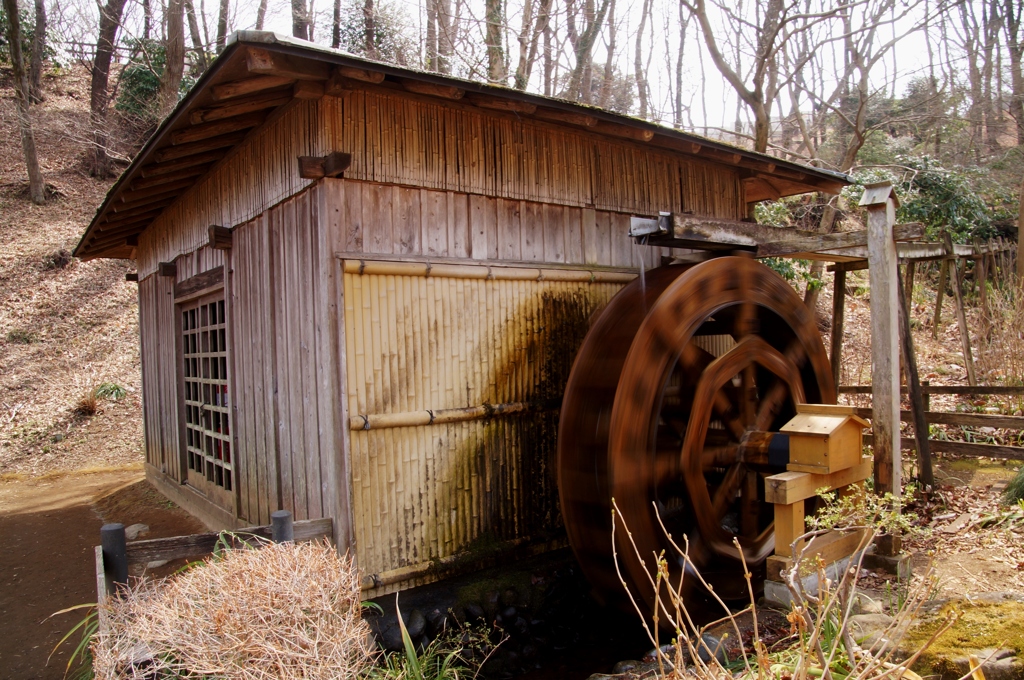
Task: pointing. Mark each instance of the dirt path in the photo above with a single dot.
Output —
(49, 527)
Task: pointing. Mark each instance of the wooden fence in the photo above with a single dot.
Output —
(956, 419)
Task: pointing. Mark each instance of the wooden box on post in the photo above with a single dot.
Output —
(824, 438)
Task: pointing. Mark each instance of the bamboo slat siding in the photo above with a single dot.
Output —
(416, 343)
(398, 140)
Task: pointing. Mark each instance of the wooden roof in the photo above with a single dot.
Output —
(260, 74)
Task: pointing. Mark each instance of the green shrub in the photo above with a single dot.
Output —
(109, 390)
(1015, 489)
(19, 336)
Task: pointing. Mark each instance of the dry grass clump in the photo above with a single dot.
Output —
(1001, 351)
(282, 611)
(821, 643)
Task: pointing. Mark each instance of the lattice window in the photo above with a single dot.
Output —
(207, 406)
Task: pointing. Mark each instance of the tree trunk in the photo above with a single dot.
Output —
(432, 64)
(222, 25)
(369, 29)
(609, 63)
(444, 36)
(36, 187)
(261, 15)
(147, 19)
(1020, 241)
(110, 21)
(170, 80)
(495, 16)
(1015, 46)
(38, 47)
(300, 20)
(197, 37)
(583, 47)
(638, 62)
(336, 25)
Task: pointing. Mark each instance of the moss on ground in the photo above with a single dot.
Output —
(979, 626)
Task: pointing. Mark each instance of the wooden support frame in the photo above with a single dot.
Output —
(924, 457)
(838, 323)
(961, 316)
(881, 203)
(689, 231)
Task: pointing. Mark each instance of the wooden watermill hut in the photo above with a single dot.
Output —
(361, 289)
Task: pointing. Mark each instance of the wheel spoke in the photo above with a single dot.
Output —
(749, 506)
(719, 456)
(726, 491)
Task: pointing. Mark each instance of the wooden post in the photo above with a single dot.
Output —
(838, 312)
(909, 286)
(282, 529)
(943, 278)
(926, 395)
(961, 317)
(115, 555)
(881, 203)
(981, 278)
(924, 454)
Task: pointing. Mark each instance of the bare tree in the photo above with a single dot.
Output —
(1015, 46)
(529, 40)
(300, 19)
(36, 187)
(495, 18)
(198, 46)
(38, 52)
(174, 49)
(336, 25)
(261, 15)
(609, 62)
(110, 22)
(369, 29)
(222, 25)
(583, 24)
(638, 62)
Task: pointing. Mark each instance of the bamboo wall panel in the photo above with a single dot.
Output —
(460, 150)
(417, 343)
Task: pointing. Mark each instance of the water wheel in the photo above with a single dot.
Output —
(669, 409)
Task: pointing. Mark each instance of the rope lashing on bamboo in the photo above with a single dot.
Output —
(382, 421)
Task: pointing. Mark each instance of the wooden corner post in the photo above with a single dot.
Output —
(883, 273)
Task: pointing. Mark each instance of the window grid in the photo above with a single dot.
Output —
(207, 407)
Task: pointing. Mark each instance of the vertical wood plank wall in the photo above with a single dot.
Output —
(160, 375)
(399, 139)
(284, 350)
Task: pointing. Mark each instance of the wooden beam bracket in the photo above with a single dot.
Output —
(167, 269)
(220, 237)
(317, 167)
